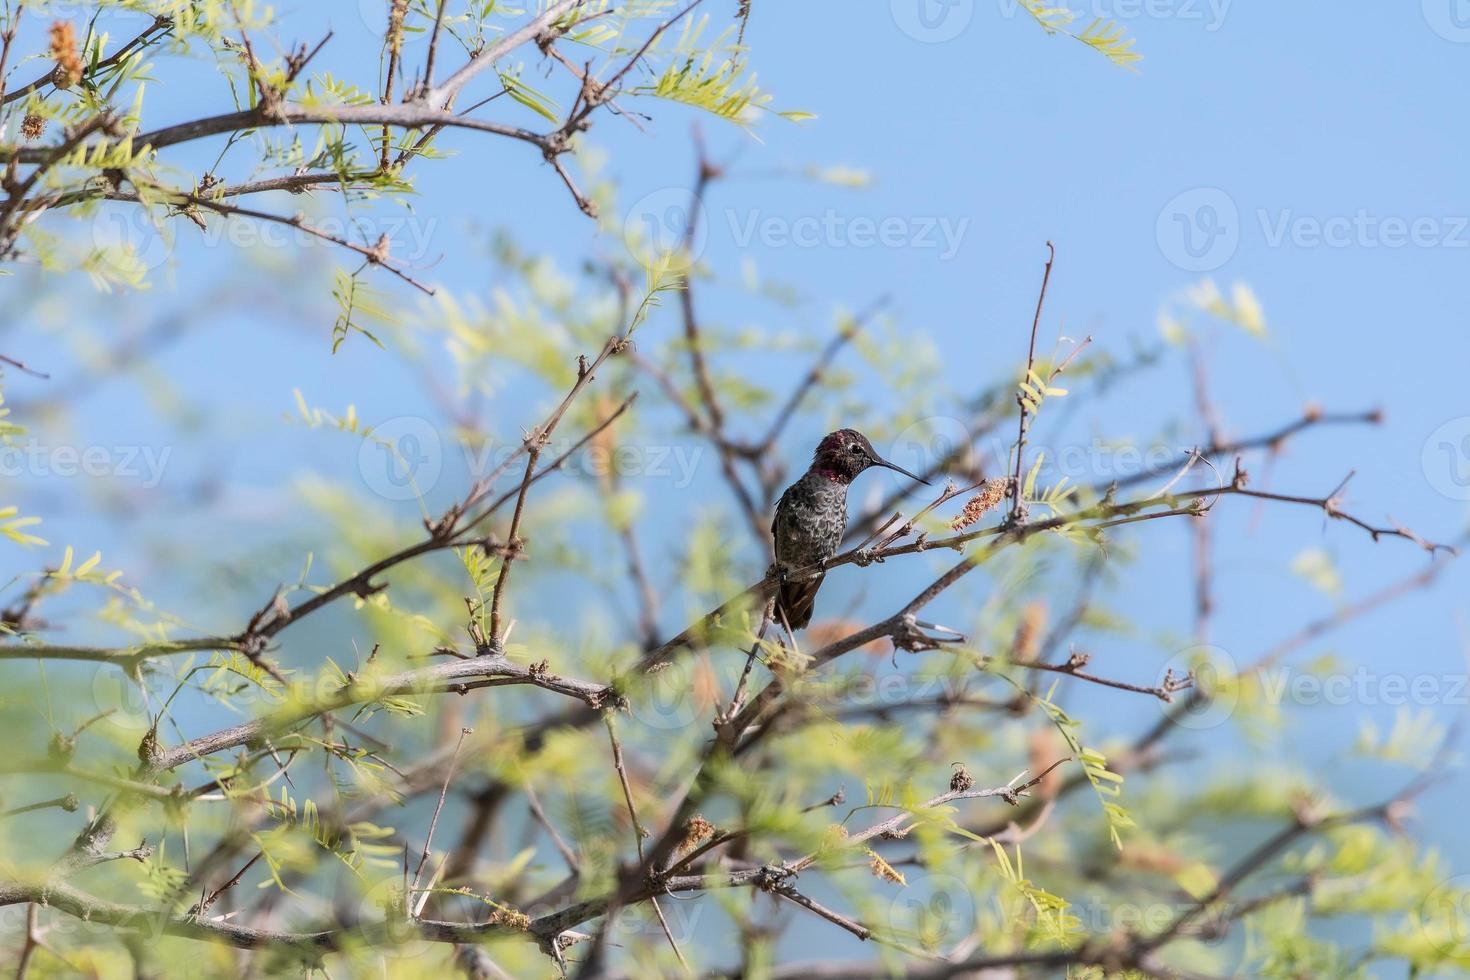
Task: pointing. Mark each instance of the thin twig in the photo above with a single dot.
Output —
(7, 38)
(159, 24)
(442, 95)
(434, 44)
(69, 803)
(1019, 508)
(514, 544)
(33, 931)
(231, 883)
(638, 833)
(433, 823)
(574, 864)
(738, 699)
(19, 366)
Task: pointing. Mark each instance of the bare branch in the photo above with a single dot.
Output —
(1018, 503)
(442, 95)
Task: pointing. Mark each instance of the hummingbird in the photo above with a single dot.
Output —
(812, 516)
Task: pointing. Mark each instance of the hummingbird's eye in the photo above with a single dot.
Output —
(855, 449)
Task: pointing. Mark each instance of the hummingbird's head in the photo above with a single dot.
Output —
(843, 454)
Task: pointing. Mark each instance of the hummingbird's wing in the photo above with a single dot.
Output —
(776, 516)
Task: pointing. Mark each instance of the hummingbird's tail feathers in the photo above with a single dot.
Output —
(795, 601)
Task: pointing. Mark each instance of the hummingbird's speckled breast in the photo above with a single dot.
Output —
(810, 521)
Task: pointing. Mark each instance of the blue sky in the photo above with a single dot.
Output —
(1311, 151)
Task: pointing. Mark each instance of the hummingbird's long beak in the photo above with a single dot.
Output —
(880, 461)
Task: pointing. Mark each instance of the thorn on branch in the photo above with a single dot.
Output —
(61, 747)
(365, 589)
(379, 254)
(772, 878)
(915, 636)
(442, 528)
(1307, 811)
(1172, 685)
(449, 652)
